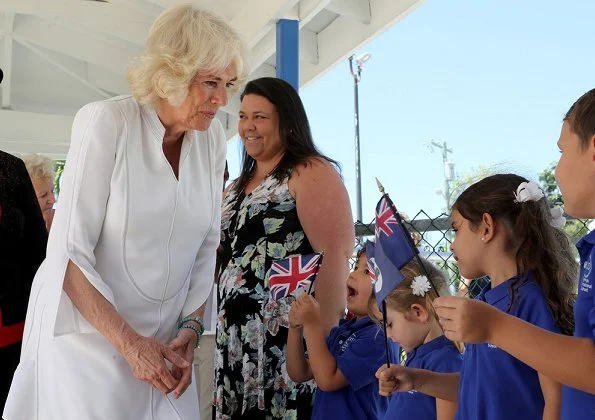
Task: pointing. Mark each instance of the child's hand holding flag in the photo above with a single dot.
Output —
(305, 311)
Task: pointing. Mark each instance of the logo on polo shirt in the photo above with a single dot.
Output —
(346, 343)
(587, 266)
(586, 285)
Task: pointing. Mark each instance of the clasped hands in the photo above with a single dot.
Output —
(148, 359)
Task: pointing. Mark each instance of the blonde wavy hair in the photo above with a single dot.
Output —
(39, 166)
(402, 297)
(184, 41)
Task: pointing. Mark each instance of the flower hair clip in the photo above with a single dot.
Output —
(420, 285)
(528, 191)
(558, 220)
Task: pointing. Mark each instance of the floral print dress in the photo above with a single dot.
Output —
(251, 378)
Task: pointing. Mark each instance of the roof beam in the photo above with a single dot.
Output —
(106, 18)
(108, 54)
(28, 132)
(266, 70)
(345, 35)
(264, 14)
(147, 8)
(310, 8)
(164, 3)
(307, 9)
(359, 10)
(309, 46)
(263, 50)
(218, 7)
(62, 67)
(106, 80)
(8, 43)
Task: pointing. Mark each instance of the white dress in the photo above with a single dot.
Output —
(145, 240)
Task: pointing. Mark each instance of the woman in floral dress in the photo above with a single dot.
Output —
(289, 199)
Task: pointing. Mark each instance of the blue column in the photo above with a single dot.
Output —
(288, 60)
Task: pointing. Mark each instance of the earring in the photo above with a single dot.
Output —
(483, 239)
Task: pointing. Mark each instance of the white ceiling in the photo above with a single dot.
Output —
(58, 55)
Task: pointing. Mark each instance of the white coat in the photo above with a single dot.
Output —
(144, 239)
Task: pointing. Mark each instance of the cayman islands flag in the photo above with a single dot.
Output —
(289, 274)
(391, 251)
(386, 275)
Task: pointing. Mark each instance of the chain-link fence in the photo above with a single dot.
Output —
(433, 237)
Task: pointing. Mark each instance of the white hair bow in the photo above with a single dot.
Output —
(420, 285)
(528, 191)
(558, 220)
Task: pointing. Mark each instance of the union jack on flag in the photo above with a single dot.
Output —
(392, 235)
(391, 250)
(291, 273)
(385, 218)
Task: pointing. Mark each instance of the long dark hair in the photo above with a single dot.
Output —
(294, 130)
(538, 246)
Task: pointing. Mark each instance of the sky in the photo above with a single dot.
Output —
(492, 79)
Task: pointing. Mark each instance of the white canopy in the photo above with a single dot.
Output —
(58, 55)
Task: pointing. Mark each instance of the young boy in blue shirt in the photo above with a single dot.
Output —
(569, 360)
(343, 365)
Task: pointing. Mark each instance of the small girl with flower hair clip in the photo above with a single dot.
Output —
(504, 229)
(412, 323)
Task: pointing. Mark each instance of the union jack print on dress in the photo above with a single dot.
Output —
(291, 273)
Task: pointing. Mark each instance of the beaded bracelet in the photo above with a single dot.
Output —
(192, 319)
(193, 328)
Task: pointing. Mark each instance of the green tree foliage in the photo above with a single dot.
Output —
(58, 168)
(575, 228)
(461, 183)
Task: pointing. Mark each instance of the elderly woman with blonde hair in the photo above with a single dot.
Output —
(42, 174)
(114, 314)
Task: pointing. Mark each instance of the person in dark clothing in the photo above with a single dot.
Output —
(23, 239)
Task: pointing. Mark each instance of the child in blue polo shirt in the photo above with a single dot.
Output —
(344, 364)
(504, 229)
(412, 322)
(569, 360)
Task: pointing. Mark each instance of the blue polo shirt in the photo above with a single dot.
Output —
(494, 385)
(439, 355)
(578, 404)
(358, 348)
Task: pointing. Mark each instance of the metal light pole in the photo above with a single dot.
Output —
(357, 75)
(448, 169)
